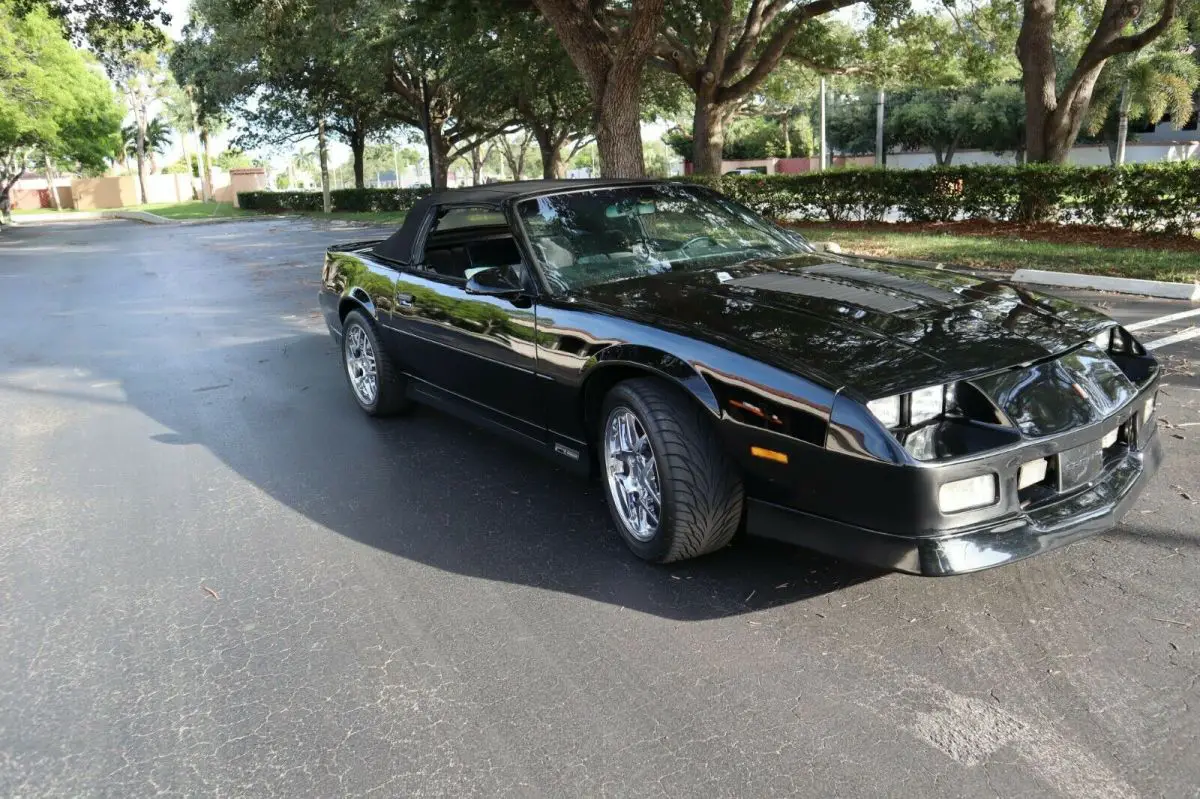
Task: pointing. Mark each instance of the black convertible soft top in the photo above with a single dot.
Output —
(398, 247)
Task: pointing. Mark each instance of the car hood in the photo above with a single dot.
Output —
(874, 327)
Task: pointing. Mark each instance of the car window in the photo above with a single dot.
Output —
(464, 240)
(583, 238)
(456, 218)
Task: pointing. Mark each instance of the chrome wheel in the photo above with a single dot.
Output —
(632, 474)
(360, 364)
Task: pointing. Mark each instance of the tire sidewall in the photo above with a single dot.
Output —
(655, 548)
(356, 319)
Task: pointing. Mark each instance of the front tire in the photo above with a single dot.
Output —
(374, 382)
(671, 489)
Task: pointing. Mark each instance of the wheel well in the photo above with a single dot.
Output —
(603, 380)
(349, 304)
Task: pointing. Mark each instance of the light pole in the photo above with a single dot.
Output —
(824, 155)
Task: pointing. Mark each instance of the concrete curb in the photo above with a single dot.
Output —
(217, 220)
(1038, 277)
(1121, 285)
(65, 216)
(137, 216)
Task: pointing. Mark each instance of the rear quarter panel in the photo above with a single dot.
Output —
(351, 278)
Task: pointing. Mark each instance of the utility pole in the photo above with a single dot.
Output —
(396, 164)
(879, 130)
(824, 155)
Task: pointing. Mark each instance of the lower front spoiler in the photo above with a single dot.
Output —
(1093, 510)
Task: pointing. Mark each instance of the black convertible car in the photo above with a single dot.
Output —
(721, 375)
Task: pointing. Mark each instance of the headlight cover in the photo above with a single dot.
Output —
(914, 408)
(886, 410)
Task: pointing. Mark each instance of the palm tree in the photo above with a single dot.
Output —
(1146, 86)
(177, 108)
(304, 161)
(158, 139)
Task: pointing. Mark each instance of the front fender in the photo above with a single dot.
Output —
(662, 364)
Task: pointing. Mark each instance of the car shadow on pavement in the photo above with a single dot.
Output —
(435, 490)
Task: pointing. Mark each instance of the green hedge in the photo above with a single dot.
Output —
(370, 200)
(1162, 196)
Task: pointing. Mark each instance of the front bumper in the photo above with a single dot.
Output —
(1093, 509)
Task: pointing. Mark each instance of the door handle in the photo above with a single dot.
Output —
(404, 299)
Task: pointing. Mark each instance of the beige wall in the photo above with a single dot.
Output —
(247, 179)
(168, 189)
(118, 192)
(95, 193)
(30, 194)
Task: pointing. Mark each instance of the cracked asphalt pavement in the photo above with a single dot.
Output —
(219, 578)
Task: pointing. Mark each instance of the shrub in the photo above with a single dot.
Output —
(369, 200)
(1154, 197)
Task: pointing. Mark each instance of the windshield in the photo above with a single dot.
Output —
(584, 238)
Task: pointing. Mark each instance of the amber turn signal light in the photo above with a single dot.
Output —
(769, 454)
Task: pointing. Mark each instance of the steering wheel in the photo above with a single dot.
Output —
(698, 239)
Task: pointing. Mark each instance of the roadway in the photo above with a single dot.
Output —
(219, 578)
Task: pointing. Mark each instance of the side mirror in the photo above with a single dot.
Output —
(492, 282)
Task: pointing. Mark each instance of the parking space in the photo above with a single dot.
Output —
(218, 577)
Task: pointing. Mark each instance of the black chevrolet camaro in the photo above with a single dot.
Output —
(721, 375)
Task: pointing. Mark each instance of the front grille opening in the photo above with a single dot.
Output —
(1124, 441)
(1042, 490)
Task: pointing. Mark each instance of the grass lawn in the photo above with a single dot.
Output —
(191, 210)
(372, 217)
(996, 252)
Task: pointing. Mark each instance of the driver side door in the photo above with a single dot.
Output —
(472, 351)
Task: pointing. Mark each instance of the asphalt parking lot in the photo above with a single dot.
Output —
(219, 578)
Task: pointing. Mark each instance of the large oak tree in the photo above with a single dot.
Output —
(610, 51)
(1055, 109)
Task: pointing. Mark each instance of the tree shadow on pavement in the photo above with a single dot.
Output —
(433, 489)
(242, 370)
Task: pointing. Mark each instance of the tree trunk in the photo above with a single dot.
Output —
(938, 158)
(515, 158)
(187, 160)
(476, 166)
(619, 131)
(787, 135)
(358, 145)
(612, 72)
(1035, 51)
(50, 182)
(1123, 124)
(206, 183)
(708, 134)
(140, 114)
(202, 138)
(550, 146)
(323, 151)
(432, 129)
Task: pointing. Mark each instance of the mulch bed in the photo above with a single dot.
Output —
(1037, 231)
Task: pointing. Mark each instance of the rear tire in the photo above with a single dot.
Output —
(374, 382)
(700, 493)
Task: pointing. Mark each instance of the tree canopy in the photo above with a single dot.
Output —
(54, 101)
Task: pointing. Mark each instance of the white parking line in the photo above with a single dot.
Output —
(1162, 320)
(1183, 335)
